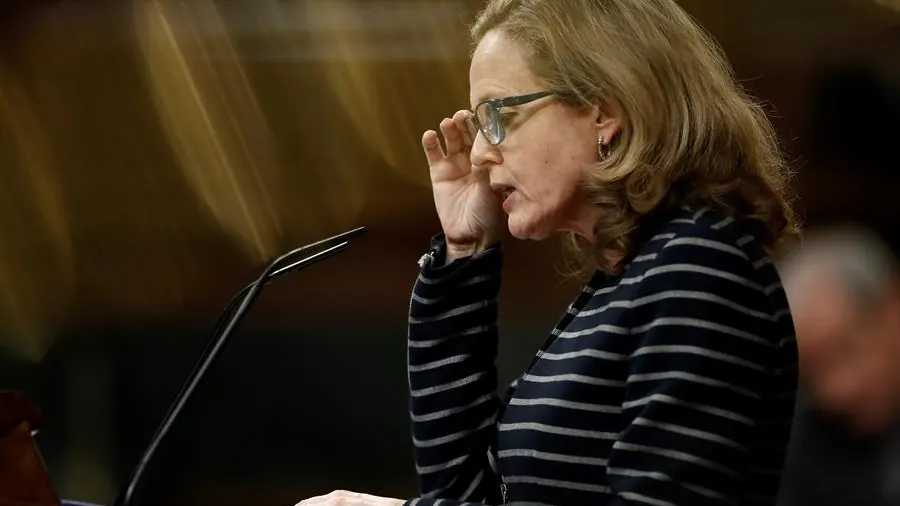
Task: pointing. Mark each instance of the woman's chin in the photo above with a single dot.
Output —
(517, 234)
(523, 228)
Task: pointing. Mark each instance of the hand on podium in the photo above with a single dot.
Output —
(345, 498)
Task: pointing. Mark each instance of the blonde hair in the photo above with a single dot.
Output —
(690, 134)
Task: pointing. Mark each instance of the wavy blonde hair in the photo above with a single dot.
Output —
(690, 134)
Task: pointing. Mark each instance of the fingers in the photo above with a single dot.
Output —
(466, 125)
(335, 498)
(432, 146)
(458, 132)
(453, 136)
(347, 498)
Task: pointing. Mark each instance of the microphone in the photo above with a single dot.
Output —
(228, 321)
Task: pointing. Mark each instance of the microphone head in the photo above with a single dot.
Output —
(350, 234)
(344, 236)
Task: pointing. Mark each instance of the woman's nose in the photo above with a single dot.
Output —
(483, 154)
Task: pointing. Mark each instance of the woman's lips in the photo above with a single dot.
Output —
(507, 200)
(505, 193)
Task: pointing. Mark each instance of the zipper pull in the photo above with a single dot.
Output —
(503, 495)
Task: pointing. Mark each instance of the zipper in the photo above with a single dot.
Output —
(492, 462)
(564, 322)
(504, 493)
(571, 312)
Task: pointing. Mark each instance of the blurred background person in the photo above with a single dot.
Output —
(844, 291)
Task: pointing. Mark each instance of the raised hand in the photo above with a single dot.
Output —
(470, 213)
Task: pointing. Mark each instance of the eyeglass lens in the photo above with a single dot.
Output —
(488, 119)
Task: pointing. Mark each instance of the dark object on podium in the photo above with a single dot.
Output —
(237, 308)
(23, 477)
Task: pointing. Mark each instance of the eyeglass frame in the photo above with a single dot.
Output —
(496, 104)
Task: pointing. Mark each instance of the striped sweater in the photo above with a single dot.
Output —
(671, 384)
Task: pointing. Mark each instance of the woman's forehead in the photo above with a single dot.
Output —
(499, 69)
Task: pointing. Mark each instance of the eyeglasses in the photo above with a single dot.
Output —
(487, 119)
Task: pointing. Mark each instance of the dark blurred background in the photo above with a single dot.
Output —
(155, 154)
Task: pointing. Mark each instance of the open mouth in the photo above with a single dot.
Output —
(504, 192)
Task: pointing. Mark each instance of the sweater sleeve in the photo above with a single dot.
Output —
(704, 367)
(453, 398)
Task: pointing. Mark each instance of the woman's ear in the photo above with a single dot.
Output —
(608, 128)
(609, 120)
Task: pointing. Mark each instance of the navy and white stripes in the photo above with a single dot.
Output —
(672, 384)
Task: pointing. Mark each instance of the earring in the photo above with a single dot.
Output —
(602, 148)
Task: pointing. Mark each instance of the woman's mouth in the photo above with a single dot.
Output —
(505, 193)
(507, 200)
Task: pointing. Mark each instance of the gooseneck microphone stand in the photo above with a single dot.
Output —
(228, 321)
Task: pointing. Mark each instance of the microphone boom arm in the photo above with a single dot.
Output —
(220, 336)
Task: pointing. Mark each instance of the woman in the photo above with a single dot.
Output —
(671, 379)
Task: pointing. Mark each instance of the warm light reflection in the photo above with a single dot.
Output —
(395, 75)
(326, 172)
(36, 255)
(211, 117)
(890, 4)
(157, 151)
